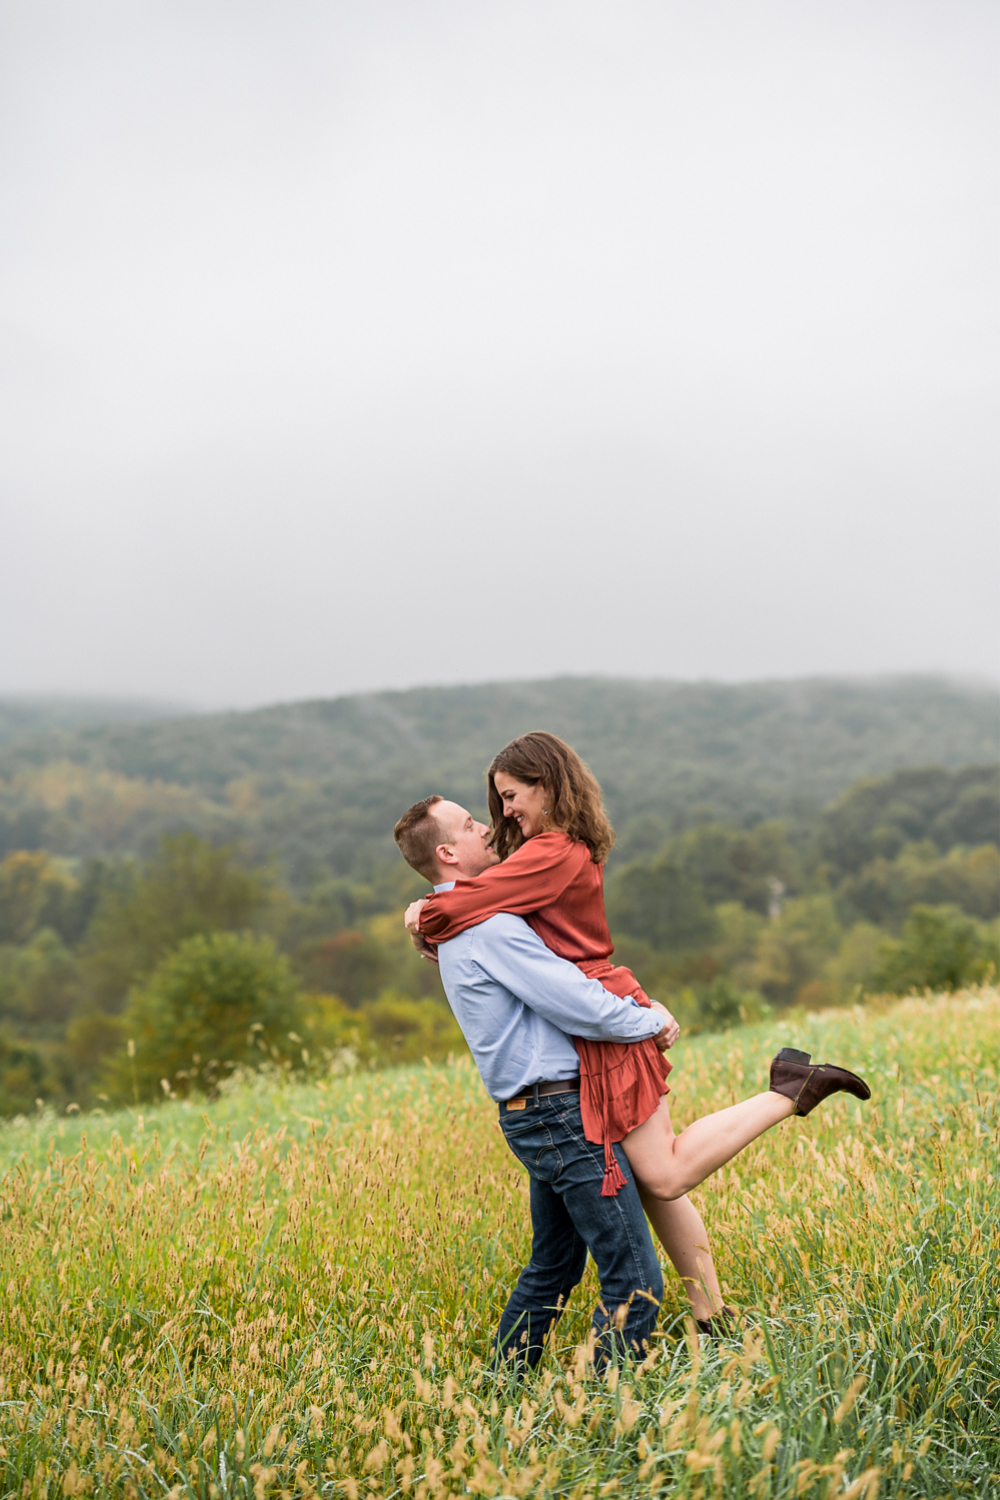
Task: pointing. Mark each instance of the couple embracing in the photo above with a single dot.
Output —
(572, 1050)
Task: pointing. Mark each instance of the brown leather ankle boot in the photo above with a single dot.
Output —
(808, 1084)
(721, 1325)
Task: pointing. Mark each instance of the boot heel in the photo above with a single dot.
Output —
(793, 1055)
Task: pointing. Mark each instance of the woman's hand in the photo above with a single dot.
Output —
(423, 947)
(411, 918)
(669, 1031)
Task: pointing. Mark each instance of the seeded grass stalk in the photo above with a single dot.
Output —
(291, 1290)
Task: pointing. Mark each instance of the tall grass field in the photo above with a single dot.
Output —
(291, 1290)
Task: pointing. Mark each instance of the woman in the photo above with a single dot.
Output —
(552, 835)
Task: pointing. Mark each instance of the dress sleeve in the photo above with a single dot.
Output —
(534, 877)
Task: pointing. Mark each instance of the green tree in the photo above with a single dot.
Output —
(73, 913)
(875, 819)
(91, 1040)
(34, 889)
(843, 976)
(189, 887)
(884, 891)
(973, 816)
(220, 1000)
(353, 965)
(39, 982)
(793, 949)
(22, 1078)
(736, 864)
(739, 932)
(940, 948)
(661, 905)
(669, 901)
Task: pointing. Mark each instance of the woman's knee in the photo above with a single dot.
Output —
(665, 1184)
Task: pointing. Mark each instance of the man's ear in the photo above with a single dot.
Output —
(445, 855)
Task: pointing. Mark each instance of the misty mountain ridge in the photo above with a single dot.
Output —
(321, 783)
(26, 715)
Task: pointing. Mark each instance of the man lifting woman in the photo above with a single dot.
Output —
(572, 1049)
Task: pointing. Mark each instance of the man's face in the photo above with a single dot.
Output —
(464, 850)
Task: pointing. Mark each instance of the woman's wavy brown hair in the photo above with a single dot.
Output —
(575, 801)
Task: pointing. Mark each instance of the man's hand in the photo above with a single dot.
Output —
(669, 1031)
(411, 918)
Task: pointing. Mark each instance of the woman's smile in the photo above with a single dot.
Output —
(525, 803)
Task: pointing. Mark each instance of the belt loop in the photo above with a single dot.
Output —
(535, 1094)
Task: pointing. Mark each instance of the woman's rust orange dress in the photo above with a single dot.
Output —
(554, 884)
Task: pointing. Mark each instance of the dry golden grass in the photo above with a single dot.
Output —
(291, 1290)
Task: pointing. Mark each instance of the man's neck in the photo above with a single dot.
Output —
(448, 873)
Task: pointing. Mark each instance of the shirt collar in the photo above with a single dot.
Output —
(446, 885)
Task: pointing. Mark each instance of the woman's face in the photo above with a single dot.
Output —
(523, 803)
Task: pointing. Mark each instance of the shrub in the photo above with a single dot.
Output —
(22, 1077)
(336, 1036)
(940, 948)
(353, 965)
(718, 1006)
(189, 887)
(218, 1001)
(92, 1038)
(404, 1030)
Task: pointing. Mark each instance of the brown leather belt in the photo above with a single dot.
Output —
(539, 1090)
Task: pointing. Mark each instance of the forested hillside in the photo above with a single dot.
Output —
(319, 785)
(183, 898)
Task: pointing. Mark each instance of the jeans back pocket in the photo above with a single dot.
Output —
(534, 1146)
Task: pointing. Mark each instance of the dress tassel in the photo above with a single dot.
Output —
(614, 1179)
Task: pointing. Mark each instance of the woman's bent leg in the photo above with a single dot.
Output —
(682, 1233)
(668, 1165)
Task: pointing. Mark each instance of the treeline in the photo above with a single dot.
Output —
(895, 887)
(121, 979)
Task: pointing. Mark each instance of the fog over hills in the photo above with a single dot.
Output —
(23, 716)
(320, 783)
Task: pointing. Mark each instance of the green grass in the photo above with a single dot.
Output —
(291, 1290)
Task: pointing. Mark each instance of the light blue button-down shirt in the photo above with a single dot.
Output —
(518, 1004)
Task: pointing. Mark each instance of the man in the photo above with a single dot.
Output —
(516, 1001)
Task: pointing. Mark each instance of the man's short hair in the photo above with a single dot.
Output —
(418, 834)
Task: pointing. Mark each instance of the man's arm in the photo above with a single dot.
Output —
(509, 952)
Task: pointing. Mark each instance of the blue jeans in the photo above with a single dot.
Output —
(568, 1218)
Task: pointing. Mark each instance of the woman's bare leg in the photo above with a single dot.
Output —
(667, 1165)
(681, 1231)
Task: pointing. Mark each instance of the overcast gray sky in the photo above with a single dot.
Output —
(363, 345)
